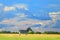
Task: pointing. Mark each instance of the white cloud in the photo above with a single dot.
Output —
(50, 29)
(20, 6)
(16, 22)
(19, 24)
(27, 22)
(48, 23)
(13, 7)
(6, 8)
(55, 15)
(21, 15)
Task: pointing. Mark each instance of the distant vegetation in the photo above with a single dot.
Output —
(51, 32)
(8, 32)
(48, 32)
(30, 32)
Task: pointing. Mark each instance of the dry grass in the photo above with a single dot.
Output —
(30, 37)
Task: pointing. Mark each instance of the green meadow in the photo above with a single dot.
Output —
(29, 37)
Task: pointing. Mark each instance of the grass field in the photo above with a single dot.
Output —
(29, 37)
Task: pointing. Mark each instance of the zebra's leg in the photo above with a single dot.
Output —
(19, 34)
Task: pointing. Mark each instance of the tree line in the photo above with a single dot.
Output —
(8, 32)
(30, 32)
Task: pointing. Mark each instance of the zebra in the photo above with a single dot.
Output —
(25, 31)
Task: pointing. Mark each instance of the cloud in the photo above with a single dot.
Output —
(6, 8)
(22, 24)
(20, 6)
(50, 29)
(15, 7)
(20, 21)
(55, 15)
(21, 15)
(48, 23)
(16, 21)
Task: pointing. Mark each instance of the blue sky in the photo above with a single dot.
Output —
(26, 13)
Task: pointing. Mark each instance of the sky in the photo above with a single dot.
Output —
(37, 14)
